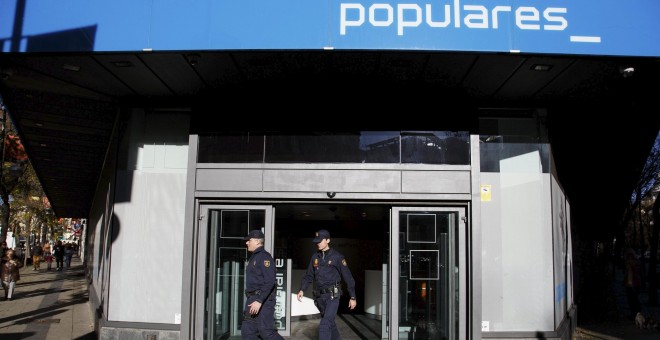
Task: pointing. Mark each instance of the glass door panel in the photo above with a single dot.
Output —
(225, 265)
(425, 283)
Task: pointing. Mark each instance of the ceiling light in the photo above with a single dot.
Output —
(73, 68)
(193, 59)
(627, 71)
(39, 124)
(541, 67)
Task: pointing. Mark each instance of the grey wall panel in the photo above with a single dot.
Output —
(451, 182)
(229, 180)
(332, 180)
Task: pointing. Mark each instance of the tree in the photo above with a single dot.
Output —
(643, 208)
(13, 164)
(30, 207)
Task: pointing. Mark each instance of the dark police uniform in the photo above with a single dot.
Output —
(326, 270)
(260, 286)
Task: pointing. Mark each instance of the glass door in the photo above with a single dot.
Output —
(224, 264)
(427, 273)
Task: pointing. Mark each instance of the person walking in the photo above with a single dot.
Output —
(10, 274)
(48, 255)
(3, 251)
(37, 251)
(326, 269)
(58, 252)
(259, 290)
(68, 253)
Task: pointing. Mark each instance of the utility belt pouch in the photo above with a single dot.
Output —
(336, 292)
(254, 292)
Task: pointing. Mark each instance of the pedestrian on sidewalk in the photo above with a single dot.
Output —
(68, 253)
(3, 250)
(10, 274)
(48, 256)
(58, 252)
(37, 251)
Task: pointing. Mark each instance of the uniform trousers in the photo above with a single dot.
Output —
(328, 307)
(262, 323)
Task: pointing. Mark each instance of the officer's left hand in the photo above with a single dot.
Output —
(255, 307)
(352, 304)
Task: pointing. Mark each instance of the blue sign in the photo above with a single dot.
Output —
(591, 27)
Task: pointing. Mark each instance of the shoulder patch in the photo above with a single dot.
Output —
(343, 261)
(266, 263)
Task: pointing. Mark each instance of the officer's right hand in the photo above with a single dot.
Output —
(300, 295)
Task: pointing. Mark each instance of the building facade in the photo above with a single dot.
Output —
(426, 137)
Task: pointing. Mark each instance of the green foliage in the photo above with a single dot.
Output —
(24, 207)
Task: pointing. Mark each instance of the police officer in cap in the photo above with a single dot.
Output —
(259, 290)
(326, 269)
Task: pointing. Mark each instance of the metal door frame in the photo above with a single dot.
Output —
(203, 246)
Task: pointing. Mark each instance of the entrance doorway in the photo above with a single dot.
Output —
(361, 233)
(420, 296)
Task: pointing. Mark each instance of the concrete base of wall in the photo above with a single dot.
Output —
(565, 331)
(109, 333)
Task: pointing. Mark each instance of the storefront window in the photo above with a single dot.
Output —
(390, 147)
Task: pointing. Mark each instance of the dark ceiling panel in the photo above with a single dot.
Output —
(583, 79)
(448, 70)
(356, 64)
(489, 73)
(135, 74)
(218, 69)
(403, 67)
(176, 71)
(66, 117)
(531, 78)
(82, 70)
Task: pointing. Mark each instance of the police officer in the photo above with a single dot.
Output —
(326, 269)
(259, 290)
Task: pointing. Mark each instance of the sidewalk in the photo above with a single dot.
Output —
(48, 305)
(617, 325)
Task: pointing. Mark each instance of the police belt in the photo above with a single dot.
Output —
(254, 292)
(328, 289)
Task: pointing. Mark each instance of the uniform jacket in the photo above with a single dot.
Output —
(10, 270)
(260, 275)
(327, 268)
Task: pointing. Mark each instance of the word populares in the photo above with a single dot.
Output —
(474, 16)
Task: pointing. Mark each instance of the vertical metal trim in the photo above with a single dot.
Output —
(474, 243)
(393, 312)
(189, 250)
(200, 273)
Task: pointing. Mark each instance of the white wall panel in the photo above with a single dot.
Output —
(148, 229)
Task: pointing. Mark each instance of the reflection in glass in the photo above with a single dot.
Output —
(225, 278)
(435, 147)
(243, 147)
(421, 228)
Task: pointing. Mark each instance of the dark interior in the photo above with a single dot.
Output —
(358, 231)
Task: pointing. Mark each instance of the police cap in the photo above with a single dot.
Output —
(321, 235)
